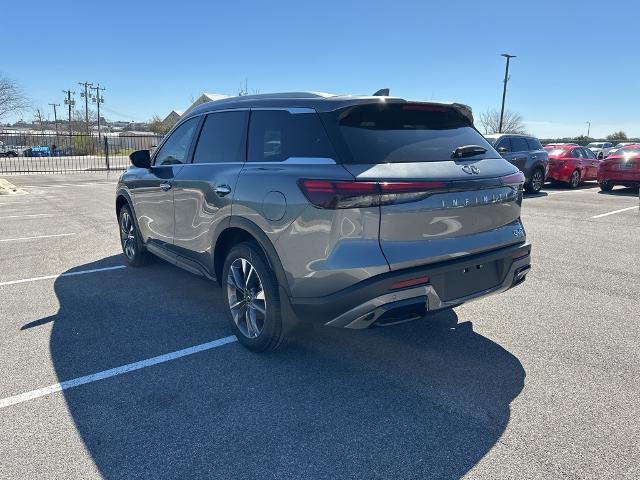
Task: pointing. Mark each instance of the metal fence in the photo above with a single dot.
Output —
(26, 152)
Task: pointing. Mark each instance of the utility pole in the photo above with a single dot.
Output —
(39, 114)
(98, 99)
(504, 89)
(70, 103)
(588, 129)
(85, 94)
(55, 118)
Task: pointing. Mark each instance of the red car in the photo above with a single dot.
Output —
(621, 168)
(571, 164)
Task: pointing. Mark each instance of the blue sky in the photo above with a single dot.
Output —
(578, 61)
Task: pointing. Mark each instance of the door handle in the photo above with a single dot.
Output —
(223, 190)
(166, 186)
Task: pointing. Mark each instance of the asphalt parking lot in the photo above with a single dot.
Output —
(540, 382)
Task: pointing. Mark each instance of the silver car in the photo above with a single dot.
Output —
(345, 211)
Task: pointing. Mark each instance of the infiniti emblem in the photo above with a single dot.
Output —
(471, 169)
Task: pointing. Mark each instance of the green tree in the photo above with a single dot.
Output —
(156, 125)
(618, 136)
(582, 138)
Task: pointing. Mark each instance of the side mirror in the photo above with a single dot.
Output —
(502, 150)
(141, 158)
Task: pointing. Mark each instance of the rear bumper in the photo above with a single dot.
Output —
(374, 301)
(629, 179)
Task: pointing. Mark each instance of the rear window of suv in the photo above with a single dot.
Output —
(402, 132)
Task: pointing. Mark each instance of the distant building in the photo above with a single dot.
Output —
(204, 98)
(173, 117)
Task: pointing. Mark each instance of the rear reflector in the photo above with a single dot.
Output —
(412, 282)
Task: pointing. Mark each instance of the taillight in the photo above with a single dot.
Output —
(516, 178)
(328, 194)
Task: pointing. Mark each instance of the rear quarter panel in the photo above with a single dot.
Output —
(321, 251)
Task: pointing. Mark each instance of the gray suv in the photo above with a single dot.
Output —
(526, 153)
(346, 211)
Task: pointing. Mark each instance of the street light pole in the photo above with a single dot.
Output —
(504, 89)
(588, 129)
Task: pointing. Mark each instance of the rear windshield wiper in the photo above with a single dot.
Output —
(468, 151)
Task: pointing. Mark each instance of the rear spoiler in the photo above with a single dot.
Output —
(465, 110)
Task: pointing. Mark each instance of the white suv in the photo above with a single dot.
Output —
(601, 149)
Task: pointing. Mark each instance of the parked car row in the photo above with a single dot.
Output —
(574, 164)
(569, 163)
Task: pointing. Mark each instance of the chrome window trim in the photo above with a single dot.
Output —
(288, 161)
(292, 110)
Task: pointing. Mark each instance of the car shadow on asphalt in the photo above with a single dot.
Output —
(621, 192)
(426, 399)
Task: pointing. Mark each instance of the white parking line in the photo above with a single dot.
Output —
(28, 216)
(615, 211)
(57, 185)
(68, 274)
(34, 238)
(129, 367)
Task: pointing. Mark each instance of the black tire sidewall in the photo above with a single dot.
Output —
(606, 186)
(140, 256)
(271, 335)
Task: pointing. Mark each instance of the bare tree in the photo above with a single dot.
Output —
(12, 99)
(511, 123)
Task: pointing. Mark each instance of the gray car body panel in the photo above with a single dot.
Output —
(318, 252)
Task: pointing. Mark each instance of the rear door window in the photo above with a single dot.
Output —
(534, 143)
(589, 154)
(401, 132)
(276, 135)
(222, 138)
(519, 144)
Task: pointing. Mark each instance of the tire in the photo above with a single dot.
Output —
(574, 180)
(251, 298)
(133, 248)
(605, 186)
(535, 183)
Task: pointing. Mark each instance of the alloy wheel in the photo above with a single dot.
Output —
(537, 181)
(575, 178)
(127, 234)
(246, 296)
